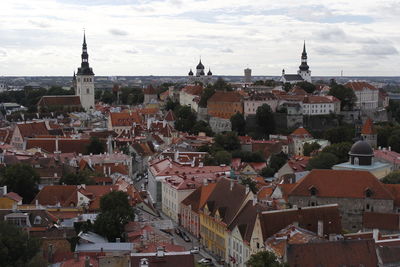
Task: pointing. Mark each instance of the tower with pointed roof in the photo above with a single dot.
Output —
(85, 79)
(368, 133)
(304, 69)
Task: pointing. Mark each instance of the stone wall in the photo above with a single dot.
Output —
(219, 125)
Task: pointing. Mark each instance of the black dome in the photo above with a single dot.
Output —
(190, 72)
(361, 148)
(200, 66)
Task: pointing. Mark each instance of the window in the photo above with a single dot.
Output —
(87, 91)
(368, 193)
(38, 220)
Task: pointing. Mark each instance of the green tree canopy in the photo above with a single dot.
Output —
(267, 172)
(228, 141)
(185, 118)
(171, 105)
(223, 157)
(16, 247)
(265, 119)
(310, 147)
(115, 213)
(202, 126)
(323, 160)
(238, 123)
(252, 184)
(277, 161)
(95, 146)
(392, 178)
(247, 156)
(340, 150)
(221, 85)
(77, 178)
(205, 95)
(394, 141)
(344, 94)
(340, 134)
(306, 86)
(264, 259)
(21, 179)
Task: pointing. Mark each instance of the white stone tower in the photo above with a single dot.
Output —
(304, 70)
(85, 80)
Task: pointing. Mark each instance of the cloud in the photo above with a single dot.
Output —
(131, 51)
(378, 50)
(39, 24)
(118, 32)
(226, 50)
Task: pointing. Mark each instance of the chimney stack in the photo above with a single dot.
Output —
(320, 228)
(375, 234)
(231, 184)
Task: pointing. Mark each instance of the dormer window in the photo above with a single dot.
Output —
(368, 193)
(38, 220)
(313, 191)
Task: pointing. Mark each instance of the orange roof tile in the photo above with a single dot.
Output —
(359, 86)
(368, 127)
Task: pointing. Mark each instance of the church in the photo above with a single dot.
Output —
(200, 75)
(303, 74)
(83, 81)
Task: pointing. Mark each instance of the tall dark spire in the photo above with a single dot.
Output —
(304, 66)
(85, 69)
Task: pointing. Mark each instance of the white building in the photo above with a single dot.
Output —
(320, 105)
(255, 100)
(190, 96)
(367, 95)
(84, 80)
(200, 75)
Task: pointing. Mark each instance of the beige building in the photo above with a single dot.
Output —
(190, 96)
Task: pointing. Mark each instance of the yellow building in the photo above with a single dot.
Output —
(9, 200)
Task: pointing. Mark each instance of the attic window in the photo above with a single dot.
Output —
(368, 193)
(313, 191)
(38, 220)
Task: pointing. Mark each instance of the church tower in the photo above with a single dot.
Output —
(85, 80)
(304, 71)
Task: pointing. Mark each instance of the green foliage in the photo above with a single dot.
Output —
(185, 118)
(107, 97)
(238, 123)
(221, 85)
(247, 156)
(340, 150)
(95, 146)
(267, 172)
(277, 161)
(306, 86)
(394, 109)
(81, 177)
(131, 96)
(228, 141)
(388, 135)
(394, 141)
(115, 213)
(308, 148)
(223, 157)
(171, 105)
(392, 178)
(205, 95)
(344, 94)
(21, 179)
(287, 87)
(265, 259)
(202, 126)
(16, 247)
(340, 134)
(252, 184)
(265, 119)
(324, 160)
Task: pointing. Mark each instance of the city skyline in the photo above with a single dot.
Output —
(135, 38)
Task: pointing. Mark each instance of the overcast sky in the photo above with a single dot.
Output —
(143, 37)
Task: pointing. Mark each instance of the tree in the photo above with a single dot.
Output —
(223, 157)
(17, 248)
(205, 95)
(264, 259)
(277, 161)
(306, 86)
(228, 141)
(185, 118)
(107, 97)
(76, 178)
(340, 150)
(265, 119)
(392, 178)
(222, 85)
(202, 126)
(323, 160)
(21, 179)
(115, 213)
(267, 172)
(95, 146)
(249, 182)
(340, 134)
(394, 141)
(345, 95)
(308, 148)
(171, 105)
(287, 87)
(238, 123)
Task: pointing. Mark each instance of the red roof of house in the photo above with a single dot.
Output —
(14, 196)
(150, 90)
(359, 86)
(222, 96)
(381, 221)
(341, 184)
(60, 100)
(301, 131)
(125, 118)
(368, 127)
(193, 89)
(170, 116)
(31, 129)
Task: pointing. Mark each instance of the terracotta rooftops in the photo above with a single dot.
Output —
(198, 198)
(60, 100)
(359, 86)
(222, 96)
(193, 89)
(341, 184)
(368, 127)
(31, 129)
(301, 131)
(125, 118)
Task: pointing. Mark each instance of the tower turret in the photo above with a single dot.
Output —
(304, 69)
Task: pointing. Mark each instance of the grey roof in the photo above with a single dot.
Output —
(361, 148)
(92, 237)
(293, 77)
(106, 247)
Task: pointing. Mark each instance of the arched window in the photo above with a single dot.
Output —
(368, 193)
(38, 220)
(87, 91)
(356, 161)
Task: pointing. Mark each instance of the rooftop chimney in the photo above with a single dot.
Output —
(231, 184)
(375, 234)
(205, 183)
(320, 228)
(247, 189)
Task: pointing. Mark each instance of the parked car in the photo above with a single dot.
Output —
(186, 237)
(194, 250)
(205, 261)
(178, 232)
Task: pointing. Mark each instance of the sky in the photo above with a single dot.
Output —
(167, 37)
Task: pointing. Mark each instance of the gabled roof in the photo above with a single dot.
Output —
(13, 196)
(333, 254)
(381, 221)
(125, 118)
(341, 184)
(198, 198)
(193, 89)
(359, 86)
(170, 116)
(368, 127)
(222, 96)
(293, 77)
(60, 100)
(301, 132)
(31, 129)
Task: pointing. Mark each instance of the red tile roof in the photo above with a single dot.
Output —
(60, 100)
(341, 184)
(31, 129)
(381, 221)
(125, 118)
(333, 254)
(65, 145)
(150, 90)
(368, 127)
(394, 189)
(301, 132)
(193, 89)
(359, 86)
(13, 196)
(222, 96)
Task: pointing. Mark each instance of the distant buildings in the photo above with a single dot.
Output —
(247, 75)
(367, 95)
(200, 75)
(303, 74)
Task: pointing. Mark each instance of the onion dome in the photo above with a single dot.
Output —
(190, 72)
(202, 73)
(209, 73)
(200, 66)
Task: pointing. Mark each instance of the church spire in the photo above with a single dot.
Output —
(304, 66)
(85, 69)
